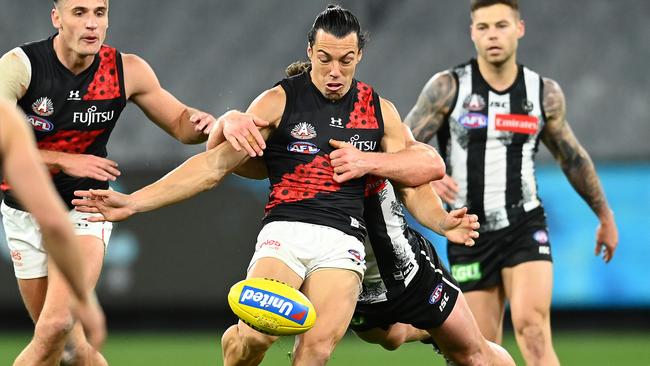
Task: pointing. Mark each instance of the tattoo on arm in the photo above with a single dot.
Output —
(572, 157)
(433, 105)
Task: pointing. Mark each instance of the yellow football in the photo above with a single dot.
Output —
(271, 307)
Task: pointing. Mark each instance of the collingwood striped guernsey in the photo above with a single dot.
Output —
(395, 253)
(489, 142)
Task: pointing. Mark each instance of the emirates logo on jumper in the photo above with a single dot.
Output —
(92, 116)
(518, 123)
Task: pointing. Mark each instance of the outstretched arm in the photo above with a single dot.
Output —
(577, 166)
(426, 207)
(241, 130)
(186, 124)
(199, 173)
(28, 178)
(24, 171)
(407, 163)
(432, 107)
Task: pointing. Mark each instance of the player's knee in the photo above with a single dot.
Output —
(319, 352)
(244, 343)
(393, 341)
(471, 355)
(318, 348)
(258, 342)
(530, 322)
(53, 329)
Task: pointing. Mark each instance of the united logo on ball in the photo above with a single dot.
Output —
(271, 307)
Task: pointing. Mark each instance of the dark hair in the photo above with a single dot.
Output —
(477, 4)
(296, 68)
(339, 22)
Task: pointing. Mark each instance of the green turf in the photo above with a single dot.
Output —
(184, 348)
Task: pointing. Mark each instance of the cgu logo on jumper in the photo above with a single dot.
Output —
(363, 145)
(92, 116)
(276, 304)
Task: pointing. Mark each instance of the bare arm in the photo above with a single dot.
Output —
(199, 173)
(433, 105)
(409, 164)
(15, 75)
(577, 165)
(253, 169)
(241, 130)
(188, 125)
(426, 207)
(30, 182)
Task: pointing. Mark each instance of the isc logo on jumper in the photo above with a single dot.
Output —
(276, 304)
(40, 124)
(303, 147)
(473, 120)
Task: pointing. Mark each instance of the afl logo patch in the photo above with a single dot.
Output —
(473, 120)
(355, 254)
(436, 294)
(302, 147)
(303, 131)
(43, 106)
(541, 236)
(40, 124)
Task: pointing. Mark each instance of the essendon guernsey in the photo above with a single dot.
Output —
(297, 155)
(72, 113)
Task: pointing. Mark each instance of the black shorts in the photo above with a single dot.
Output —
(425, 303)
(479, 267)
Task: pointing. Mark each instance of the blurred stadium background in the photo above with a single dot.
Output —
(168, 272)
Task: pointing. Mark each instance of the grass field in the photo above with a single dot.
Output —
(189, 349)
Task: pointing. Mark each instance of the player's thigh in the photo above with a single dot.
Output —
(528, 287)
(374, 335)
(267, 267)
(334, 293)
(59, 296)
(487, 307)
(270, 267)
(33, 293)
(382, 336)
(459, 334)
(93, 250)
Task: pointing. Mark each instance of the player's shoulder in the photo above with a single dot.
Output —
(131, 60)
(270, 104)
(387, 106)
(41, 44)
(273, 95)
(444, 77)
(551, 86)
(553, 100)
(16, 54)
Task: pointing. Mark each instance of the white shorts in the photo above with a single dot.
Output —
(25, 243)
(306, 248)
